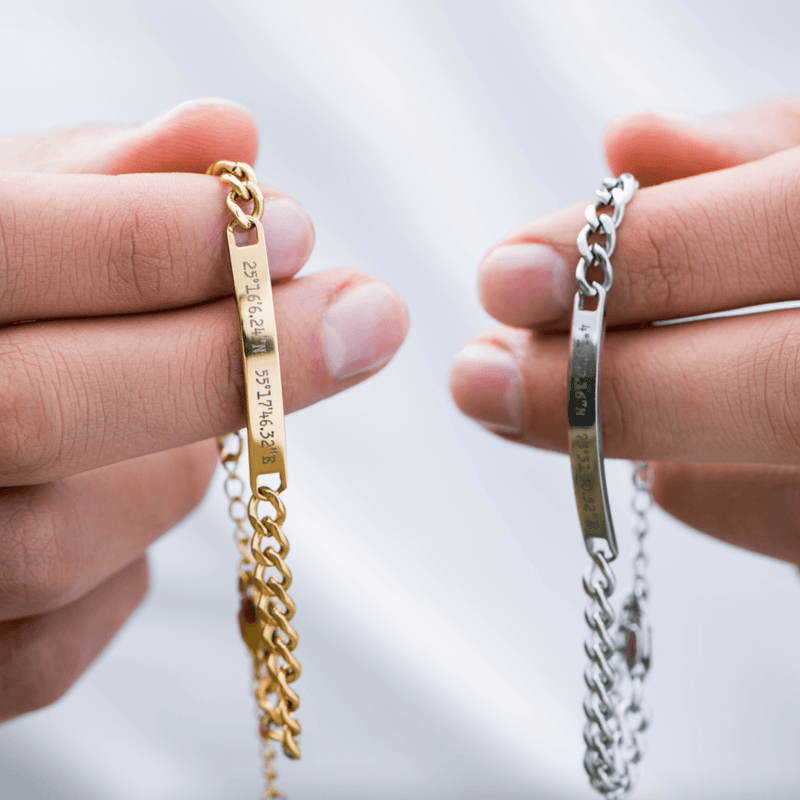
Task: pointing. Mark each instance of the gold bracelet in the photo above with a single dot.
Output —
(266, 608)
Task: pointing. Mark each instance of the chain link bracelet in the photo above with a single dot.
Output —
(618, 643)
(266, 609)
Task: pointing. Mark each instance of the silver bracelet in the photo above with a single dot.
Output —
(618, 644)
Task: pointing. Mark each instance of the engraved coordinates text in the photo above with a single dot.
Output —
(585, 469)
(581, 363)
(266, 423)
(257, 342)
(255, 333)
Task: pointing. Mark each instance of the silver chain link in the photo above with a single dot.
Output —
(618, 644)
(615, 193)
(640, 504)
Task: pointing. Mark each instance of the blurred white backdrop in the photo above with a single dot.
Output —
(437, 569)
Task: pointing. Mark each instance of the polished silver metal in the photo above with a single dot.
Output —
(619, 644)
(585, 436)
(619, 649)
(615, 193)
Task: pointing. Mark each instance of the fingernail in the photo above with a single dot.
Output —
(289, 235)
(487, 386)
(362, 329)
(526, 283)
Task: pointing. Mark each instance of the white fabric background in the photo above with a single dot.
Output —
(437, 569)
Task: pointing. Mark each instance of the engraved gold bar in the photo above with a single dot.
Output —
(262, 373)
(585, 433)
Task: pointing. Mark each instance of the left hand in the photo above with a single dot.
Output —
(714, 403)
(120, 358)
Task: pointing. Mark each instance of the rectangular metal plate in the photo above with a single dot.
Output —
(265, 426)
(585, 435)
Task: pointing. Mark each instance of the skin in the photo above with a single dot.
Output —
(119, 361)
(712, 404)
(141, 270)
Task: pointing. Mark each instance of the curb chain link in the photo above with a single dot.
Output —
(278, 667)
(237, 511)
(618, 644)
(266, 608)
(618, 647)
(616, 193)
(244, 187)
(268, 677)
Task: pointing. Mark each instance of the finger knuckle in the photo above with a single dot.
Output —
(772, 383)
(612, 422)
(39, 571)
(143, 247)
(208, 349)
(30, 420)
(691, 251)
(779, 219)
(34, 672)
(659, 254)
(10, 288)
(623, 396)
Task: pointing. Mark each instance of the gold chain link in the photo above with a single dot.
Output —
(244, 186)
(237, 510)
(274, 610)
(266, 609)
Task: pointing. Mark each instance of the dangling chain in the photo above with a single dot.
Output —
(266, 609)
(619, 658)
(237, 510)
(618, 644)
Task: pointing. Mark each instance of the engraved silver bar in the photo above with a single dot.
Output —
(585, 434)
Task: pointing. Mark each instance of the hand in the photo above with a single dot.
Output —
(120, 359)
(715, 402)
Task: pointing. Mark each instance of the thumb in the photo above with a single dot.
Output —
(664, 146)
(188, 138)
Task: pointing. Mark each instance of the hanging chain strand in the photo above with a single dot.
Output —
(237, 510)
(266, 608)
(634, 626)
(618, 648)
(278, 668)
(641, 504)
(618, 644)
(608, 772)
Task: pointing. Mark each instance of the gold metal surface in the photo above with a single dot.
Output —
(266, 444)
(278, 667)
(266, 609)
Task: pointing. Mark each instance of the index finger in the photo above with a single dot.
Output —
(703, 244)
(98, 245)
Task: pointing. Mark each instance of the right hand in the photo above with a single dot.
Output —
(711, 404)
(120, 363)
